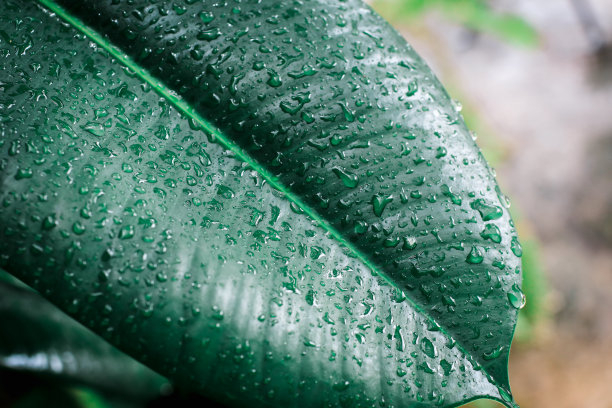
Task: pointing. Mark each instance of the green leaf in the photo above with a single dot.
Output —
(478, 16)
(474, 14)
(39, 338)
(273, 204)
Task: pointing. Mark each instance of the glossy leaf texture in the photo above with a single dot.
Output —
(39, 338)
(275, 203)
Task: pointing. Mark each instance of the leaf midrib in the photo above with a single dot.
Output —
(186, 109)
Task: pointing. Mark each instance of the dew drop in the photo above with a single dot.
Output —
(455, 198)
(491, 231)
(26, 173)
(440, 152)
(360, 227)
(493, 354)
(409, 243)
(78, 228)
(412, 88)
(379, 202)
(94, 128)
(206, 16)
(349, 179)
(49, 223)
(209, 34)
(225, 192)
(487, 211)
(274, 79)
(516, 297)
(475, 256)
(126, 232)
(516, 248)
(428, 348)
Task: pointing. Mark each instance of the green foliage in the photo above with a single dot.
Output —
(40, 339)
(474, 14)
(272, 204)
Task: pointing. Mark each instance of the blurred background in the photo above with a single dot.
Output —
(535, 82)
(534, 79)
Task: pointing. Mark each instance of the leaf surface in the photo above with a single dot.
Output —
(271, 202)
(38, 338)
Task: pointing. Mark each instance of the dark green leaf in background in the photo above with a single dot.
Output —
(38, 338)
(274, 203)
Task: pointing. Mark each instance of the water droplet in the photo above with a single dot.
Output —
(428, 348)
(503, 199)
(516, 297)
(78, 228)
(455, 198)
(360, 227)
(516, 248)
(316, 252)
(127, 232)
(409, 243)
(349, 179)
(206, 16)
(217, 314)
(487, 211)
(307, 70)
(412, 88)
(296, 208)
(225, 192)
(457, 105)
(309, 343)
(426, 367)
(24, 174)
(328, 319)
(349, 115)
(274, 79)
(475, 256)
(446, 367)
(391, 242)
(399, 339)
(209, 34)
(491, 231)
(379, 202)
(493, 354)
(449, 300)
(95, 129)
(49, 223)
(310, 297)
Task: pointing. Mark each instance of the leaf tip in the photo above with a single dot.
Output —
(506, 397)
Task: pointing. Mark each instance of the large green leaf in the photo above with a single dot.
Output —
(39, 338)
(275, 203)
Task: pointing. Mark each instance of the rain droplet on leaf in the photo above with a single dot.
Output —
(487, 211)
(516, 248)
(475, 256)
(349, 179)
(516, 297)
(379, 202)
